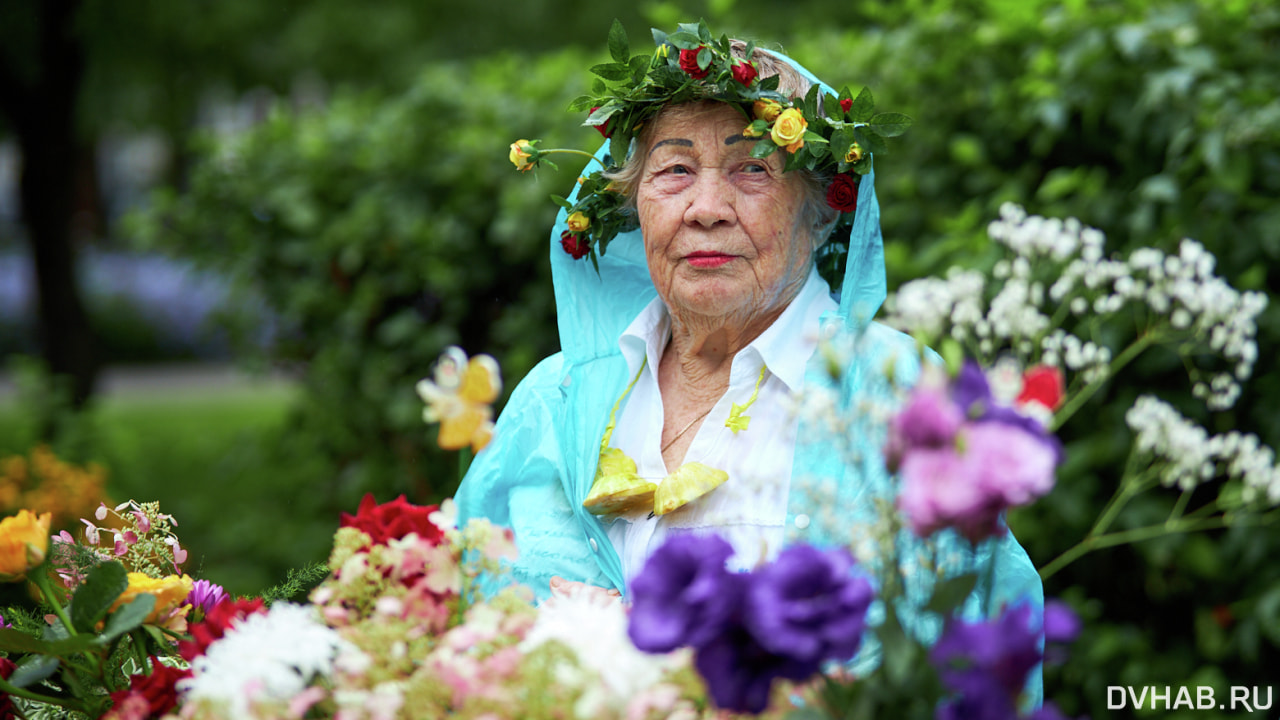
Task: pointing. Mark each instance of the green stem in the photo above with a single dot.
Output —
(1128, 489)
(464, 462)
(16, 691)
(1135, 349)
(41, 581)
(1150, 532)
(571, 151)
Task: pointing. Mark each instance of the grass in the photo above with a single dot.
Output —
(216, 458)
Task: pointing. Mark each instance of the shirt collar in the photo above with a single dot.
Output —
(784, 347)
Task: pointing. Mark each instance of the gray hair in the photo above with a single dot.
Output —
(814, 213)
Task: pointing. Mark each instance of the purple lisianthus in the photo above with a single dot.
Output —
(739, 672)
(809, 604)
(204, 596)
(970, 390)
(929, 420)
(977, 658)
(684, 595)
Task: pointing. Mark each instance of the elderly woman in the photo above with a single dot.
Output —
(689, 344)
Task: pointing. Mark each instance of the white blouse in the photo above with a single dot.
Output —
(750, 509)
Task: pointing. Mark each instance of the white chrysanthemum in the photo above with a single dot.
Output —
(265, 657)
(612, 670)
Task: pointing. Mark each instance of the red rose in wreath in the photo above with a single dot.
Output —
(842, 193)
(689, 63)
(574, 244)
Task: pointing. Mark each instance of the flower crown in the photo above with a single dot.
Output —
(689, 66)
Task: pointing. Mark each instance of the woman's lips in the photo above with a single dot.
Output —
(707, 259)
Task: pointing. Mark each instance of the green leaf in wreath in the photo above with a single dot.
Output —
(619, 49)
(129, 616)
(17, 641)
(763, 149)
(100, 589)
(863, 106)
(612, 71)
(890, 124)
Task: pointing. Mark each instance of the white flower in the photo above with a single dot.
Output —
(264, 657)
(612, 670)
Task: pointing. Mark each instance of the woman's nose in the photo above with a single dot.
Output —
(710, 200)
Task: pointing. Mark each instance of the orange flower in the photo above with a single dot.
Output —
(24, 542)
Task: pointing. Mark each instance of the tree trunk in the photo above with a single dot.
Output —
(43, 112)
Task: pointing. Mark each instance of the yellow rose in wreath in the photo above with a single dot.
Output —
(788, 130)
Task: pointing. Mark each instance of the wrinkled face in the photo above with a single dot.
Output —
(722, 229)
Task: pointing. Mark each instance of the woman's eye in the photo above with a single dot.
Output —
(754, 167)
(677, 170)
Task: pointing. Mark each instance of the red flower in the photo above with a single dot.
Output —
(157, 690)
(7, 667)
(1042, 384)
(689, 63)
(745, 73)
(393, 520)
(604, 129)
(846, 104)
(215, 625)
(574, 244)
(842, 193)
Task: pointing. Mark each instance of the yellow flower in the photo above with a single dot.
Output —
(521, 154)
(170, 592)
(24, 542)
(788, 130)
(854, 154)
(459, 398)
(751, 131)
(766, 110)
(579, 222)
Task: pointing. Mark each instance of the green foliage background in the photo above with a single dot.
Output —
(388, 223)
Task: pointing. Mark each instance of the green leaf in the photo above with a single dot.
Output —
(129, 616)
(33, 669)
(619, 49)
(950, 593)
(870, 141)
(91, 601)
(684, 40)
(763, 149)
(890, 124)
(704, 58)
(659, 37)
(17, 641)
(612, 71)
(639, 66)
(863, 106)
(813, 137)
(618, 147)
(561, 202)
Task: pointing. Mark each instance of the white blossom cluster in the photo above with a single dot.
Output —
(1180, 291)
(266, 657)
(1192, 457)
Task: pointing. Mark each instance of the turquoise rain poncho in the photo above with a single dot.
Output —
(541, 463)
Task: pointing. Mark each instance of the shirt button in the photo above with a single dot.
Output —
(802, 521)
(568, 380)
(595, 548)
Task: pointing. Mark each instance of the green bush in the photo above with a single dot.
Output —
(380, 231)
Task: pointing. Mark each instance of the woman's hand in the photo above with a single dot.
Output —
(561, 588)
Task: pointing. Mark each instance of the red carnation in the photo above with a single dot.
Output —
(216, 624)
(745, 73)
(7, 667)
(846, 104)
(604, 129)
(689, 63)
(1042, 384)
(574, 244)
(842, 193)
(158, 691)
(393, 520)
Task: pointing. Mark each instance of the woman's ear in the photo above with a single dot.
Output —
(823, 226)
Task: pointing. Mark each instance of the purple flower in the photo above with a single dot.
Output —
(980, 658)
(970, 390)
(809, 604)
(1061, 624)
(739, 672)
(205, 595)
(929, 420)
(683, 595)
(981, 698)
